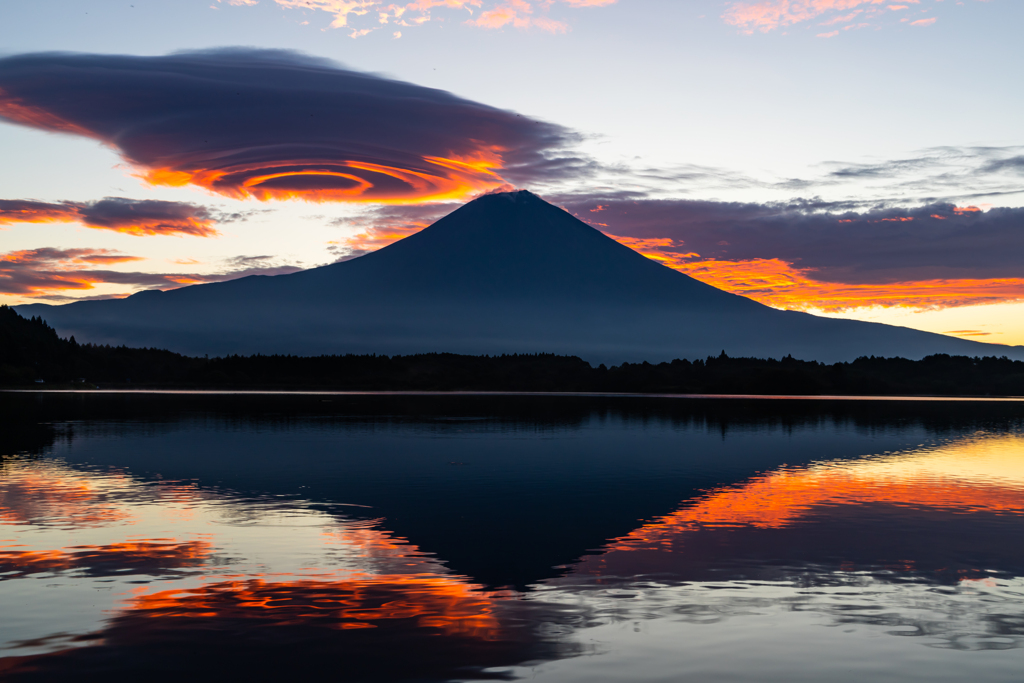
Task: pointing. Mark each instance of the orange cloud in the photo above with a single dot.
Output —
(779, 284)
(129, 216)
(44, 273)
(968, 333)
(518, 13)
(817, 256)
(35, 272)
(432, 179)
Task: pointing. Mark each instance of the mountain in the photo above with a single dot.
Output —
(505, 273)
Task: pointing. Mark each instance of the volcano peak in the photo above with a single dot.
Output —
(506, 273)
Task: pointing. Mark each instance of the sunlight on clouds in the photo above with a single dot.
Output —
(301, 128)
(769, 15)
(521, 14)
(129, 216)
(518, 14)
(59, 275)
(776, 283)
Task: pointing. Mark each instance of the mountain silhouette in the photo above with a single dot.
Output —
(505, 273)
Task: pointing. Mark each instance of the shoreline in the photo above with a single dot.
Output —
(567, 394)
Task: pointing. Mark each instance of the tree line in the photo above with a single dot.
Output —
(32, 354)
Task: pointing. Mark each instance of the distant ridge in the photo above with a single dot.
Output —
(505, 273)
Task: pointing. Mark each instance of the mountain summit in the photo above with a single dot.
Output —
(505, 273)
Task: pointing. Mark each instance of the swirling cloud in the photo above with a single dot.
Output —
(267, 124)
(131, 216)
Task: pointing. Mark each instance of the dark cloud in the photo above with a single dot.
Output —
(1013, 164)
(47, 272)
(838, 242)
(984, 171)
(132, 216)
(240, 266)
(273, 124)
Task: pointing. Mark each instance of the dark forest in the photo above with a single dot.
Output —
(33, 355)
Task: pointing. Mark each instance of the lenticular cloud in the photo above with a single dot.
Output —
(272, 124)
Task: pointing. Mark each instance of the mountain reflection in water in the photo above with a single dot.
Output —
(402, 539)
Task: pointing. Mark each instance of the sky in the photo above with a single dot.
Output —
(851, 158)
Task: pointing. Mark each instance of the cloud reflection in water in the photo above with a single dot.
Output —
(794, 573)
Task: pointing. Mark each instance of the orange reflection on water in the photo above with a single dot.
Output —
(979, 475)
(149, 555)
(48, 495)
(446, 604)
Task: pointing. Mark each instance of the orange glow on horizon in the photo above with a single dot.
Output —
(779, 284)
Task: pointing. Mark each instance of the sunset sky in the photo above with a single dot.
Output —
(853, 158)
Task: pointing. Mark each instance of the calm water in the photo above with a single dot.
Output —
(374, 538)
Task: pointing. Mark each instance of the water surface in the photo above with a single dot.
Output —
(389, 538)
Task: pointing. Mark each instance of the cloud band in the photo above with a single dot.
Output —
(131, 216)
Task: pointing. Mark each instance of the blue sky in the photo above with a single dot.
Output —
(865, 107)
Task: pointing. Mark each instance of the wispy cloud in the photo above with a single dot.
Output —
(361, 17)
(131, 216)
(948, 173)
(269, 124)
(752, 16)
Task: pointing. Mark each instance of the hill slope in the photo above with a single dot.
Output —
(506, 273)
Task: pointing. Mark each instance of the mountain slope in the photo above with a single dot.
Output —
(505, 273)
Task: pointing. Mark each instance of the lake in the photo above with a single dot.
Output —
(162, 537)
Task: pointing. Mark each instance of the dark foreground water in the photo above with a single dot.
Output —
(374, 538)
